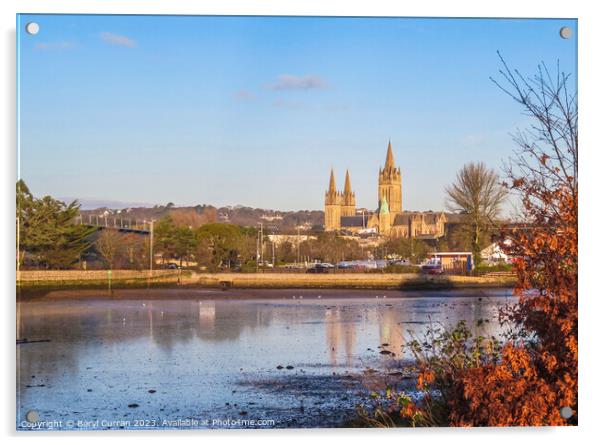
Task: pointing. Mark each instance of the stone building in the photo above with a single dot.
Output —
(389, 219)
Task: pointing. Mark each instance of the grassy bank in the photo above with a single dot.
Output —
(164, 278)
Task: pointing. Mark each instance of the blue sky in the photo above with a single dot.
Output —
(255, 110)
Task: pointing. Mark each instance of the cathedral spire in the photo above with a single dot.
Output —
(390, 163)
(332, 187)
(347, 190)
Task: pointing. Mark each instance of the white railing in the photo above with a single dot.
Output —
(114, 222)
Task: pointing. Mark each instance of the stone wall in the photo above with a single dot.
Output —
(32, 276)
(350, 281)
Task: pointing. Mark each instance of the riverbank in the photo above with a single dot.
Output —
(110, 280)
(349, 281)
(195, 293)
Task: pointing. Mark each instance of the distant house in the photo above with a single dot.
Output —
(278, 240)
(454, 262)
(493, 254)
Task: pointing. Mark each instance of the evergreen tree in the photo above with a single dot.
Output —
(47, 230)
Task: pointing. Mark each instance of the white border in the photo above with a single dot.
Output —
(590, 42)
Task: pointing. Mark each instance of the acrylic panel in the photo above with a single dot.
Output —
(295, 222)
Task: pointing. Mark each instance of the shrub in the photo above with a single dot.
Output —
(443, 357)
(483, 268)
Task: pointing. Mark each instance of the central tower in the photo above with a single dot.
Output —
(389, 183)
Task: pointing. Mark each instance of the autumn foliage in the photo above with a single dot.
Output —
(536, 374)
(527, 378)
(525, 381)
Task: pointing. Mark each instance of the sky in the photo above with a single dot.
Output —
(255, 111)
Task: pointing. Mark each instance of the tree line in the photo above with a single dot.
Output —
(49, 237)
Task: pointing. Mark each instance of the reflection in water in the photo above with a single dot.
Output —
(391, 331)
(204, 357)
(340, 334)
(163, 322)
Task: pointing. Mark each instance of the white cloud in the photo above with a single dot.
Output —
(55, 45)
(244, 95)
(291, 82)
(116, 39)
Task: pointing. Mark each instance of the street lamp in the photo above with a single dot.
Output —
(152, 224)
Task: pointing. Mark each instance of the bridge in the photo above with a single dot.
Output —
(127, 225)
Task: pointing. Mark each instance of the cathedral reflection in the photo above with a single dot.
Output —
(340, 334)
(391, 330)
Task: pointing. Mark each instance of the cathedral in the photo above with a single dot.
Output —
(389, 219)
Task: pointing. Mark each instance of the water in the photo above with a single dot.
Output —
(206, 362)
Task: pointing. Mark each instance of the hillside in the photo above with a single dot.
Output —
(272, 220)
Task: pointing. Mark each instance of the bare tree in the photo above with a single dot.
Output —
(187, 217)
(110, 244)
(478, 194)
(546, 156)
(135, 252)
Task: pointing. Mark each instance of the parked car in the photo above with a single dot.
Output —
(327, 265)
(320, 268)
(400, 263)
(432, 269)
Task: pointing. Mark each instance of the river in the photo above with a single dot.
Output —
(295, 359)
